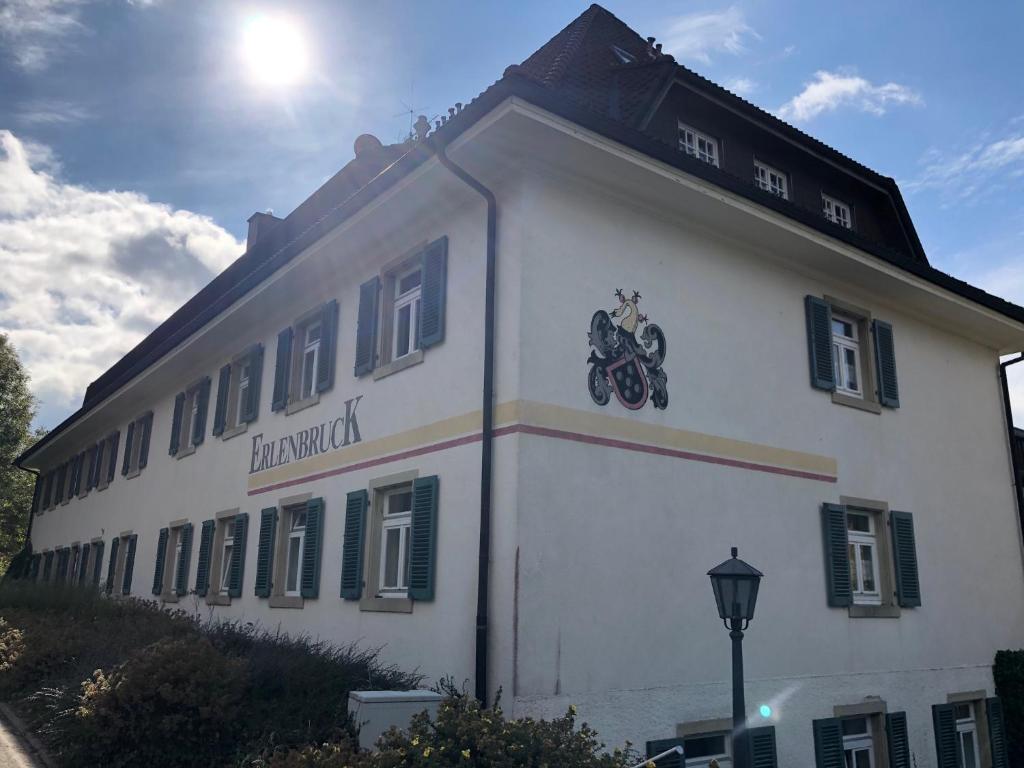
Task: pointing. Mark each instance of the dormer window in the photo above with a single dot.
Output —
(624, 57)
(770, 180)
(836, 211)
(698, 145)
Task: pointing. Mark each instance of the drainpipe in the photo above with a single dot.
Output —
(1015, 458)
(487, 432)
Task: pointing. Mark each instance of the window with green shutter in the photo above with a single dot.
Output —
(366, 326)
(161, 558)
(423, 538)
(312, 547)
(97, 562)
(220, 412)
(265, 552)
(282, 369)
(203, 560)
(202, 402)
(356, 505)
(184, 558)
(904, 549)
(239, 540)
(129, 564)
(837, 558)
(250, 374)
(947, 748)
(885, 364)
(112, 564)
(176, 419)
(828, 743)
(83, 564)
(129, 447)
(434, 293)
(819, 343)
(328, 346)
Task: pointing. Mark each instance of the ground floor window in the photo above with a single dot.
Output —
(396, 525)
(858, 745)
(296, 516)
(708, 750)
(967, 735)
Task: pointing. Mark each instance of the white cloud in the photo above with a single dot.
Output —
(985, 166)
(698, 35)
(86, 274)
(741, 86)
(52, 112)
(829, 91)
(35, 30)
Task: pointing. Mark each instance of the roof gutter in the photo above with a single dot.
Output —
(1016, 459)
(487, 429)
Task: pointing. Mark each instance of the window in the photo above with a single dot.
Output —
(288, 553)
(226, 550)
(188, 425)
(244, 372)
(296, 537)
(121, 566)
(310, 355)
(697, 144)
(305, 359)
(136, 445)
(75, 564)
(394, 542)
(846, 355)
(406, 315)
(863, 546)
(238, 393)
(173, 554)
(967, 735)
(106, 461)
(701, 750)
(835, 211)
(770, 180)
(858, 746)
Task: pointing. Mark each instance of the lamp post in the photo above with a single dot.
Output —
(735, 584)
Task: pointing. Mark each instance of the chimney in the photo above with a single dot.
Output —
(259, 225)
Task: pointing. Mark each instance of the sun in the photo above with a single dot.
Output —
(274, 50)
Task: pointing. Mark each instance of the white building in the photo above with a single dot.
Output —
(381, 425)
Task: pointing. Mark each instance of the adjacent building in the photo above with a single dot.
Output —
(496, 399)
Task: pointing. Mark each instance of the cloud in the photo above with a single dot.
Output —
(741, 86)
(698, 35)
(984, 167)
(35, 30)
(52, 112)
(829, 91)
(85, 274)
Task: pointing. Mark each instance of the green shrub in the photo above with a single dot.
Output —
(12, 645)
(1008, 672)
(173, 703)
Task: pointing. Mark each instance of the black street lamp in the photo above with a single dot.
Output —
(735, 584)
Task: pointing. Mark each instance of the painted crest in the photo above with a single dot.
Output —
(622, 363)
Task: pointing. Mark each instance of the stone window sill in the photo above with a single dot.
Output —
(301, 405)
(385, 604)
(856, 402)
(169, 597)
(413, 358)
(874, 611)
(212, 599)
(286, 601)
(235, 431)
(182, 453)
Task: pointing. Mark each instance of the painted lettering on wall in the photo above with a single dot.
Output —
(328, 436)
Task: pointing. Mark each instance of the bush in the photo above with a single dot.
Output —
(1008, 672)
(173, 703)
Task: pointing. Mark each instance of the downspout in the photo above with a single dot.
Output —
(1015, 458)
(487, 430)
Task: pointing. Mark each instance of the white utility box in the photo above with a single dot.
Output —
(374, 712)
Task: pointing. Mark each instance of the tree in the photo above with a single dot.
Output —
(17, 408)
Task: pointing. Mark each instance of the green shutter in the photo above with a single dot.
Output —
(837, 555)
(282, 369)
(83, 563)
(904, 549)
(819, 343)
(129, 438)
(238, 555)
(885, 364)
(366, 327)
(828, 743)
(352, 547)
(997, 733)
(112, 565)
(251, 407)
(161, 558)
(203, 561)
(265, 552)
(129, 564)
(220, 411)
(763, 753)
(202, 406)
(115, 439)
(97, 467)
(673, 760)
(312, 546)
(181, 576)
(947, 750)
(433, 293)
(423, 538)
(899, 740)
(97, 568)
(179, 412)
(328, 346)
(147, 428)
(37, 493)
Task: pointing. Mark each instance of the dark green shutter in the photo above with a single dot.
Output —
(203, 561)
(282, 369)
(828, 743)
(202, 406)
(366, 327)
(763, 753)
(837, 555)
(58, 495)
(220, 411)
(352, 547)
(97, 568)
(251, 407)
(112, 565)
(423, 538)
(129, 564)
(328, 346)
(947, 750)
(147, 428)
(997, 733)
(433, 293)
(238, 555)
(161, 558)
(179, 412)
(899, 740)
(114, 441)
(37, 493)
(48, 490)
(904, 550)
(83, 563)
(97, 466)
(312, 546)
(265, 552)
(885, 364)
(181, 576)
(129, 438)
(657, 746)
(819, 343)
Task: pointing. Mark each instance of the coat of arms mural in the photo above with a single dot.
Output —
(622, 363)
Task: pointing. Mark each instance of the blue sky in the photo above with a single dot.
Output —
(135, 139)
